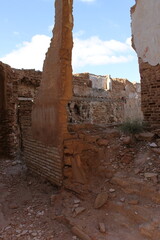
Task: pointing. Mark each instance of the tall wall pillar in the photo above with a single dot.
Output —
(49, 116)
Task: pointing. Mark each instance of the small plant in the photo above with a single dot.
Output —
(132, 127)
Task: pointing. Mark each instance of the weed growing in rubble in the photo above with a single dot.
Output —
(132, 127)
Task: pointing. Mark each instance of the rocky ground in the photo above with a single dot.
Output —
(121, 203)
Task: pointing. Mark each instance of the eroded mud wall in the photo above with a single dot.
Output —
(44, 144)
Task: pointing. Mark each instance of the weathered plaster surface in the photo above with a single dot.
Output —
(146, 30)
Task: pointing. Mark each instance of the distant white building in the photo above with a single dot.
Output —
(101, 82)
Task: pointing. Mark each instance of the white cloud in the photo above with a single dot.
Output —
(92, 51)
(29, 55)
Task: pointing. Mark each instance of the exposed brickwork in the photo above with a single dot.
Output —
(43, 159)
(145, 41)
(150, 81)
(24, 119)
(43, 147)
(15, 83)
(8, 111)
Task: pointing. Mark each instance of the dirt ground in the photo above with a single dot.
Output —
(121, 203)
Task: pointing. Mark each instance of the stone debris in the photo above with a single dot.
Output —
(80, 234)
(122, 199)
(77, 201)
(127, 140)
(145, 136)
(101, 199)
(153, 145)
(112, 190)
(102, 227)
(78, 210)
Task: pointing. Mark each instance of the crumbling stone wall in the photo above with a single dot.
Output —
(110, 101)
(17, 92)
(28, 82)
(146, 35)
(8, 111)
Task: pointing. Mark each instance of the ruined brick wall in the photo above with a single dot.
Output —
(145, 39)
(8, 110)
(43, 160)
(103, 106)
(96, 110)
(28, 82)
(150, 82)
(24, 120)
(15, 84)
(43, 145)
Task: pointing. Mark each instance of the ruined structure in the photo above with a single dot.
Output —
(146, 35)
(68, 124)
(44, 145)
(92, 108)
(18, 89)
(8, 110)
(103, 100)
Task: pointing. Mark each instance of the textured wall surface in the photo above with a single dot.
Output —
(150, 81)
(146, 41)
(92, 104)
(49, 112)
(43, 146)
(8, 111)
(146, 30)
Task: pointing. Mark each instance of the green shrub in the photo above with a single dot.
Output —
(132, 127)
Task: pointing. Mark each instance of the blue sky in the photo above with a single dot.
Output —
(101, 36)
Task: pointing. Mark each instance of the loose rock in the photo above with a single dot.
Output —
(102, 227)
(101, 199)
